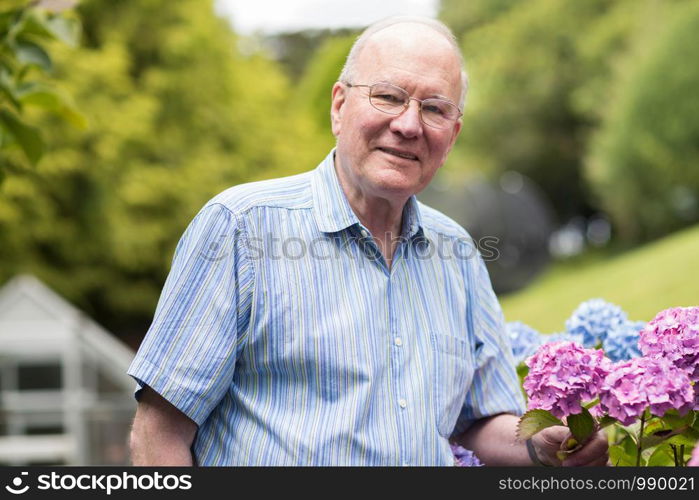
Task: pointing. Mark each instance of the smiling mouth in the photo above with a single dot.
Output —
(399, 154)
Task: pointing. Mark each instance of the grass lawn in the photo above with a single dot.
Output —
(642, 281)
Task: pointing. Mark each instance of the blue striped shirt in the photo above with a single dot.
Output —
(282, 333)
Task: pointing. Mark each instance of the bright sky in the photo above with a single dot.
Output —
(273, 16)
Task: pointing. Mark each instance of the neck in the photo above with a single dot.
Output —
(382, 216)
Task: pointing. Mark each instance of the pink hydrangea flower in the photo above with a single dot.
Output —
(633, 386)
(674, 335)
(694, 461)
(562, 375)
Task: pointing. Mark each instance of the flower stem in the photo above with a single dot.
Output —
(639, 445)
(674, 453)
(681, 455)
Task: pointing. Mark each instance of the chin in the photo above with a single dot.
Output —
(396, 184)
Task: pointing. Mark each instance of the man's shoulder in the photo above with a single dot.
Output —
(285, 192)
(435, 221)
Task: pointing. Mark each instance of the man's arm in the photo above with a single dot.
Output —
(161, 434)
(494, 441)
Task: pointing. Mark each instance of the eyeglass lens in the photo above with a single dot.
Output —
(393, 100)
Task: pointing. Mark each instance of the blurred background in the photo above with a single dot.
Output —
(119, 119)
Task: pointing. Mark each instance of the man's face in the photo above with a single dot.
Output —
(371, 145)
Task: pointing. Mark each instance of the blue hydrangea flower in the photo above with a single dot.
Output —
(594, 319)
(621, 343)
(561, 337)
(524, 340)
(464, 457)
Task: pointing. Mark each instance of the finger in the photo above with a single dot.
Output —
(586, 456)
(592, 452)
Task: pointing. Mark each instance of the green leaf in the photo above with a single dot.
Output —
(606, 421)
(674, 420)
(31, 53)
(34, 25)
(623, 453)
(7, 90)
(659, 436)
(687, 438)
(36, 94)
(661, 457)
(58, 27)
(654, 425)
(26, 136)
(6, 20)
(65, 29)
(581, 425)
(535, 421)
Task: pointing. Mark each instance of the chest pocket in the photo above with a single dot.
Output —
(452, 374)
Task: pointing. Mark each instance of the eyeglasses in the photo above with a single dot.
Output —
(387, 98)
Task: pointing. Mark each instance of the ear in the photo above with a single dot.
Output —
(455, 134)
(339, 95)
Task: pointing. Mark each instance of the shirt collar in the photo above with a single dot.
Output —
(331, 209)
(412, 220)
(333, 212)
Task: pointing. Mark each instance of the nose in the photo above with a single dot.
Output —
(408, 123)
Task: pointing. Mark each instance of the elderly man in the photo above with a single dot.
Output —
(361, 342)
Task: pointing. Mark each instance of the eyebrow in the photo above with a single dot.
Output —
(431, 96)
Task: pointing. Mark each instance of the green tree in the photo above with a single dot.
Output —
(541, 79)
(644, 161)
(463, 17)
(312, 95)
(525, 66)
(26, 29)
(177, 113)
(294, 50)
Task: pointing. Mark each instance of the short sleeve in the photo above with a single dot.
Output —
(495, 385)
(189, 353)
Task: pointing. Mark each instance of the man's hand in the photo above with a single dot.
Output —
(594, 452)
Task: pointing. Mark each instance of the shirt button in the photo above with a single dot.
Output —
(398, 341)
(364, 233)
(402, 403)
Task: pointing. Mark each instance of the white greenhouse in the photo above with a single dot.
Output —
(65, 398)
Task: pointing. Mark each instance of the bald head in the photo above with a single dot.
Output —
(416, 33)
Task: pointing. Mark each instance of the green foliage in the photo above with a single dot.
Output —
(294, 50)
(525, 65)
(312, 96)
(542, 74)
(644, 163)
(463, 17)
(27, 30)
(663, 441)
(177, 114)
(581, 425)
(535, 421)
(622, 452)
(650, 441)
